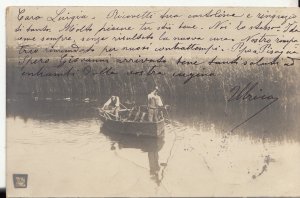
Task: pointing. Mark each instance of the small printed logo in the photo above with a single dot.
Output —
(20, 180)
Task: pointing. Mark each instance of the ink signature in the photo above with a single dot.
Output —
(244, 93)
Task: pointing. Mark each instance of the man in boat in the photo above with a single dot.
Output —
(154, 103)
(113, 104)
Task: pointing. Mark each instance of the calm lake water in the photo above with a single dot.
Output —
(62, 145)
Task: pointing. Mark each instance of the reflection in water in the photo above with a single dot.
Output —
(272, 124)
(150, 145)
(194, 152)
(209, 118)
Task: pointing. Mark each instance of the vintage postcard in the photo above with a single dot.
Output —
(152, 101)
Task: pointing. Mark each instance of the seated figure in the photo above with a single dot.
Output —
(113, 104)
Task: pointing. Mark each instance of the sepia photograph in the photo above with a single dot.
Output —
(152, 101)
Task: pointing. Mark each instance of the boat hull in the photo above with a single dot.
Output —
(152, 129)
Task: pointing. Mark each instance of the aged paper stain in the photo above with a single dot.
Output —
(217, 89)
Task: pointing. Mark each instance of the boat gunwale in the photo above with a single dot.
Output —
(129, 121)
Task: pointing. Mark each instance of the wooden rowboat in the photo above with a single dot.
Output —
(124, 126)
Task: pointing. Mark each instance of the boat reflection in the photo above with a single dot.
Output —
(150, 145)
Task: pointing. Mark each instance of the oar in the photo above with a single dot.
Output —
(168, 119)
(107, 114)
(123, 106)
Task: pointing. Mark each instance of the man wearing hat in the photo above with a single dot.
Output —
(154, 102)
